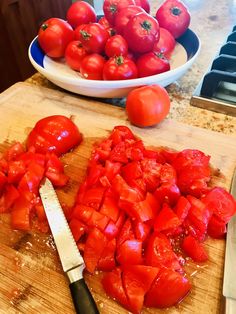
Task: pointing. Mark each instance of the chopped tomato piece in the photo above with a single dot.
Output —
(198, 214)
(126, 232)
(130, 253)
(16, 170)
(20, 215)
(159, 253)
(93, 197)
(166, 220)
(141, 230)
(112, 169)
(40, 212)
(137, 280)
(168, 289)
(194, 249)
(58, 179)
(107, 260)
(111, 230)
(94, 247)
(167, 193)
(3, 181)
(216, 228)
(82, 212)
(31, 157)
(220, 203)
(9, 197)
(182, 208)
(77, 228)
(94, 174)
(168, 174)
(98, 220)
(131, 171)
(14, 151)
(113, 286)
(110, 208)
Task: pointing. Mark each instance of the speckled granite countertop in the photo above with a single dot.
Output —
(212, 21)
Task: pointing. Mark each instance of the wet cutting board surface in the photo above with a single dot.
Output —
(31, 277)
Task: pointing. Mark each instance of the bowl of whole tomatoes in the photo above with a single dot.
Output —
(108, 56)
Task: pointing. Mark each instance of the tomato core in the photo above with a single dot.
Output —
(113, 8)
(85, 35)
(146, 25)
(119, 60)
(44, 27)
(176, 11)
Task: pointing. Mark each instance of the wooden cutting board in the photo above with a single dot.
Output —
(31, 277)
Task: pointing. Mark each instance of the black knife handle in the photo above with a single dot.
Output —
(82, 298)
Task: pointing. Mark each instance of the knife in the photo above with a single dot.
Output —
(229, 285)
(71, 260)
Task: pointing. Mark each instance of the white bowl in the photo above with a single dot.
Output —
(56, 71)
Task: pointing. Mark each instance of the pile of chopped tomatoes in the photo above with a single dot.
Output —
(131, 208)
(21, 172)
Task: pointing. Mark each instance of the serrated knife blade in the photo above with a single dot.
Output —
(229, 284)
(71, 259)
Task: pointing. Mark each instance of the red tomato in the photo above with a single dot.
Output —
(141, 32)
(194, 249)
(116, 46)
(74, 54)
(147, 105)
(168, 289)
(221, 203)
(104, 22)
(143, 4)
(93, 36)
(56, 134)
(123, 17)
(174, 16)
(112, 7)
(119, 68)
(135, 285)
(152, 63)
(80, 12)
(92, 66)
(54, 35)
(165, 44)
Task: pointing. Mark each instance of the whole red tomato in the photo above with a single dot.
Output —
(53, 37)
(123, 17)
(93, 36)
(75, 52)
(104, 22)
(119, 68)
(112, 7)
(147, 105)
(91, 66)
(57, 134)
(143, 4)
(152, 63)
(80, 12)
(174, 16)
(116, 46)
(165, 44)
(141, 32)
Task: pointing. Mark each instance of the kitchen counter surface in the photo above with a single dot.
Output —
(212, 21)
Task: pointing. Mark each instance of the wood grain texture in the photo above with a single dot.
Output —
(31, 277)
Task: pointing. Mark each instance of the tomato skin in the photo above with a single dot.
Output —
(141, 32)
(56, 134)
(80, 12)
(92, 66)
(54, 35)
(168, 289)
(123, 17)
(147, 105)
(119, 68)
(74, 54)
(112, 7)
(143, 4)
(116, 46)
(174, 16)
(152, 63)
(194, 249)
(93, 36)
(165, 44)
